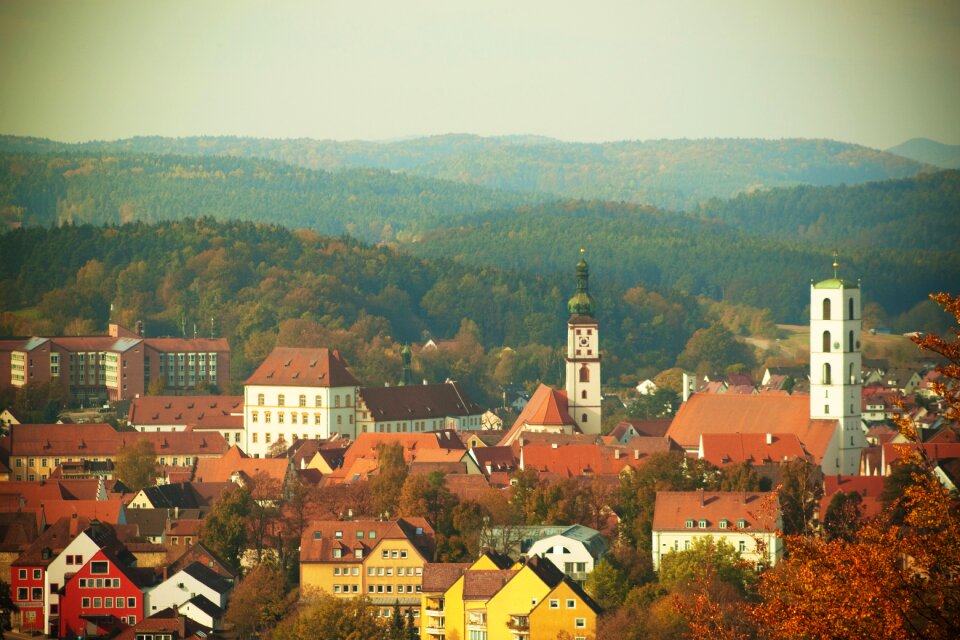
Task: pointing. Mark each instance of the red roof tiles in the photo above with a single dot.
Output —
(294, 367)
(675, 510)
(721, 449)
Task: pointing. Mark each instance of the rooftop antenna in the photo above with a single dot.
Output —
(836, 263)
(183, 325)
(211, 326)
(194, 330)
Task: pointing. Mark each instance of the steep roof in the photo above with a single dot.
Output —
(184, 410)
(440, 576)
(108, 511)
(365, 446)
(651, 427)
(547, 408)
(723, 413)
(149, 522)
(17, 531)
(485, 583)
(674, 509)
(177, 494)
(296, 367)
(208, 577)
(417, 402)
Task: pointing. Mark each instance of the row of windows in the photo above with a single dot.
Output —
(401, 571)
(37, 574)
(388, 588)
(99, 583)
(29, 595)
(570, 604)
(302, 400)
(827, 346)
(107, 603)
(826, 309)
(723, 524)
(303, 417)
(741, 545)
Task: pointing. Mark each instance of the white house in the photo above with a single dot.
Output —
(646, 388)
(189, 585)
(298, 393)
(575, 550)
(748, 521)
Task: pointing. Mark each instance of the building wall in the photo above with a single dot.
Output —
(78, 601)
(376, 576)
(334, 413)
(185, 367)
(552, 549)
(27, 588)
(555, 615)
(176, 590)
(583, 350)
(81, 546)
(522, 593)
(745, 542)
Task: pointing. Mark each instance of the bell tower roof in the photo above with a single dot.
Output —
(581, 303)
(836, 282)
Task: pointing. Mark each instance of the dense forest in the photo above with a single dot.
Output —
(671, 174)
(264, 285)
(371, 204)
(699, 257)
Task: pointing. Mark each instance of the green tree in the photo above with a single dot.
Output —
(136, 465)
(606, 584)
(707, 558)
(739, 477)
(713, 349)
(331, 618)
(225, 527)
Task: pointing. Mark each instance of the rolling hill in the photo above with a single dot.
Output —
(929, 151)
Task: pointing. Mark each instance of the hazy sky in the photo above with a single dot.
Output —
(875, 72)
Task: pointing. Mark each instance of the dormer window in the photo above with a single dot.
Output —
(338, 535)
(723, 523)
(338, 552)
(703, 524)
(741, 523)
(689, 524)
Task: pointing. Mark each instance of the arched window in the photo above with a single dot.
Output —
(852, 379)
(826, 342)
(826, 373)
(583, 418)
(850, 340)
(584, 373)
(826, 309)
(850, 309)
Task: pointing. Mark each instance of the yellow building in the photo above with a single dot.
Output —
(488, 601)
(382, 560)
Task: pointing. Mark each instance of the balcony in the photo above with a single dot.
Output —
(520, 625)
(477, 621)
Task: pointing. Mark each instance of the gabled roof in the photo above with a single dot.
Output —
(108, 511)
(418, 402)
(183, 410)
(295, 367)
(208, 577)
(484, 584)
(723, 413)
(56, 538)
(547, 408)
(175, 495)
(471, 486)
(653, 427)
(674, 510)
(17, 531)
(149, 522)
(440, 576)
(234, 460)
(497, 458)
(320, 537)
(576, 460)
(365, 446)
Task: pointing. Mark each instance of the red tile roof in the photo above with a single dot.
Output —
(440, 576)
(723, 413)
(468, 486)
(320, 538)
(103, 510)
(721, 449)
(546, 408)
(674, 509)
(576, 460)
(222, 469)
(365, 446)
(188, 344)
(934, 451)
(653, 427)
(484, 584)
(294, 367)
(91, 440)
(496, 458)
(183, 410)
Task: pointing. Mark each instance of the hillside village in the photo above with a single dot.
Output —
(451, 521)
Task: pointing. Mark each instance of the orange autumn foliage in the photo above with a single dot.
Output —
(891, 581)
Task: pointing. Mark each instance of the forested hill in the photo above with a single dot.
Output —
(262, 285)
(917, 213)
(633, 243)
(670, 174)
(929, 151)
(371, 204)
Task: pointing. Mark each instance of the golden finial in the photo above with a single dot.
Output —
(836, 263)
(582, 251)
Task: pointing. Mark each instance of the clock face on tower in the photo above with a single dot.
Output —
(584, 341)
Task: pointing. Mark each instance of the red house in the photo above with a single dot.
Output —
(103, 596)
(26, 587)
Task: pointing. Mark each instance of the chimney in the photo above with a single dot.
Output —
(769, 438)
(616, 454)
(636, 454)
(700, 492)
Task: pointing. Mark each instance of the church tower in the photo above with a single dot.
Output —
(583, 356)
(835, 366)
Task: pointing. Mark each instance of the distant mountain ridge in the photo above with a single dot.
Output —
(946, 156)
(670, 174)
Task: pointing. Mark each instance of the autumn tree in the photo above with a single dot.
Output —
(332, 618)
(391, 473)
(799, 493)
(264, 514)
(897, 578)
(136, 465)
(259, 601)
(739, 477)
(843, 517)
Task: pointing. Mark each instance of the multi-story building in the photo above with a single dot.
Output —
(298, 393)
(197, 413)
(120, 365)
(417, 408)
(748, 521)
(382, 560)
(36, 450)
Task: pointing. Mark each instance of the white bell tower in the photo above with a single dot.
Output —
(583, 356)
(835, 366)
